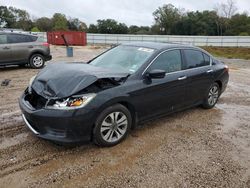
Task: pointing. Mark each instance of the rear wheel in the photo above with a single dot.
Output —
(212, 96)
(112, 125)
(36, 61)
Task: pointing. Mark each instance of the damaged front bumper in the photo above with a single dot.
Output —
(63, 126)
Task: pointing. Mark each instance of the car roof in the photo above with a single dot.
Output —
(9, 32)
(159, 45)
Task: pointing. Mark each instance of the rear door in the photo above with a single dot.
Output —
(5, 49)
(21, 45)
(160, 96)
(199, 75)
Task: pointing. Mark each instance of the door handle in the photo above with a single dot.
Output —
(30, 46)
(209, 71)
(6, 48)
(182, 78)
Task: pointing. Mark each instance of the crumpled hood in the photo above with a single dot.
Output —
(65, 79)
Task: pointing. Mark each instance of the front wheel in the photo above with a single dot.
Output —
(37, 61)
(212, 96)
(112, 125)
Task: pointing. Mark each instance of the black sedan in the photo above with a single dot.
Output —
(129, 84)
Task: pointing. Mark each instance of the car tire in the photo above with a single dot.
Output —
(212, 96)
(112, 126)
(36, 61)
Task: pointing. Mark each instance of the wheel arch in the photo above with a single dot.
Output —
(219, 83)
(35, 52)
(132, 111)
(123, 101)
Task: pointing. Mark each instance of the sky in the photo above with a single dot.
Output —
(130, 12)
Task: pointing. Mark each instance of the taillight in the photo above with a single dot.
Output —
(226, 68)
(45, 44)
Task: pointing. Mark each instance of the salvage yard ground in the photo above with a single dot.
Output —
(194, 148)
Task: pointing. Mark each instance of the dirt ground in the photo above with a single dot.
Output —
(194, 148)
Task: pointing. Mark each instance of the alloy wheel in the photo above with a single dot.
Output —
(213, 95)
(37, 61)
(114, 127)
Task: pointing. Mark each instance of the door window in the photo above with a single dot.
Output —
(169, 61)
(3, 39)
(194, 59)
(207, 59)
(19, 38)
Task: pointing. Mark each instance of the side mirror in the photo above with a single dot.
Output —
(156, 73)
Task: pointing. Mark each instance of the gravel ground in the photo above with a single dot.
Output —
(193, 148)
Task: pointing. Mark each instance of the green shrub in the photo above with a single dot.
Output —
(35, 29)
(244, 34)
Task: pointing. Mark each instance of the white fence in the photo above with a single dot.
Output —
(221, 41)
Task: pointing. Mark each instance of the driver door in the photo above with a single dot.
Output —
(161, 96)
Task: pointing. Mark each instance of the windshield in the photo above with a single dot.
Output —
(123, 58)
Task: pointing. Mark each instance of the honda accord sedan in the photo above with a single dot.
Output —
(102, 100)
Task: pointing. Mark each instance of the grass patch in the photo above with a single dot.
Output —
(229, 52)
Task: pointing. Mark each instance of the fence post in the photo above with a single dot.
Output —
(237, 41)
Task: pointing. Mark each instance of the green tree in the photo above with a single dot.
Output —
(122, 28)
(22, 19)
(7, 18)
(59, 22)
(239, 24)
(197, 23)
(44, 24)
(144, 30)
(133, 29)
(107, 26)
(35, 29)
(76, 25)
(166, 17)
(111, 26)
(92, 28)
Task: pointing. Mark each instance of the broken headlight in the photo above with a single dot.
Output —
(30, 83)
(31, 80)
(73, 102)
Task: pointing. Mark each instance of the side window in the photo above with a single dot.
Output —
(169, 61)
(3, 39)
(18, 38)
(207, 59)
(33, 38)
(194, 58)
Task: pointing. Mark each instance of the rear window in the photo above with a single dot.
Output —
(207, 59)
(195, 58)
(3, 39)
(19, 38)
(41, 39)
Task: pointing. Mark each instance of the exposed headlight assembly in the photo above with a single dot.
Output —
(73, 102)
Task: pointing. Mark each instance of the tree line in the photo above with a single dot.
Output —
(168, 20)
